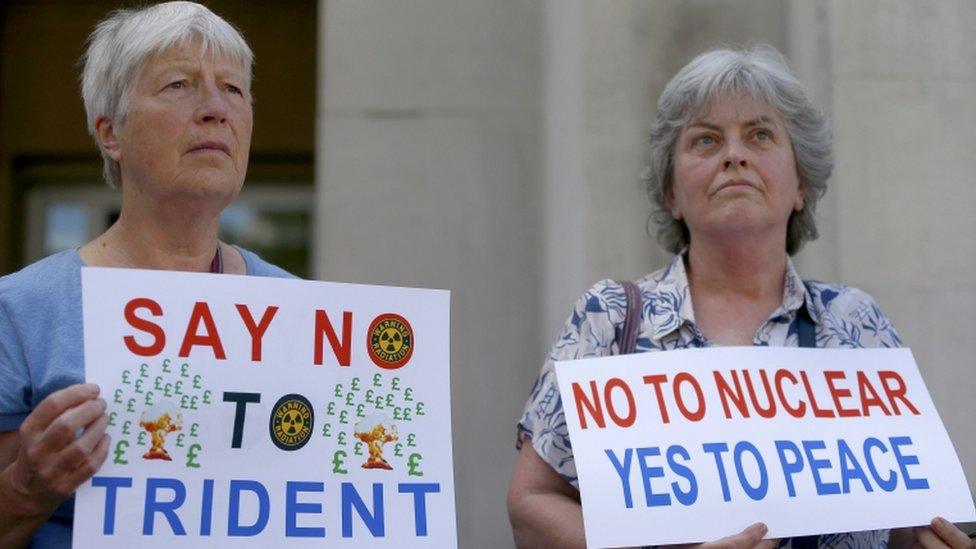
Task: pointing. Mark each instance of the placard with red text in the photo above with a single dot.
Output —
(695, 445)
(262, 412)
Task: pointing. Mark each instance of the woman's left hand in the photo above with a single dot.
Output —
(941, 534)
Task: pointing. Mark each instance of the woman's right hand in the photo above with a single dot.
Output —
(52, 461)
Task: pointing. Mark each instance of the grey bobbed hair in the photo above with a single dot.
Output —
(120, 45)
(761, 73)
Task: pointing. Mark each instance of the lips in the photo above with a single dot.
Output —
(736, 184)
(210, 146)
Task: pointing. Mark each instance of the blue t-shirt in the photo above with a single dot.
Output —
(42, 350)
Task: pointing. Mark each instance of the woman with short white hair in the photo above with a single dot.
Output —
(167, 92)
(739, 157)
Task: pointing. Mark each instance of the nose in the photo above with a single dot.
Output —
(735, 155)
(213, 106)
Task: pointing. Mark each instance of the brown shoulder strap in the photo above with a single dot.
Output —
(635, 303)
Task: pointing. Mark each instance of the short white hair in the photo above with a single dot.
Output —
(121, 44)
(761, 73)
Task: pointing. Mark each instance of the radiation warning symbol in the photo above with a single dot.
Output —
(292, 422)
(390, 341)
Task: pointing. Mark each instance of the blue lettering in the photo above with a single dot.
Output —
(111, 484)
(904, 461)
(717, 448)
(623, 471)
(234, 527)
(892, 482)
(790, 468)
(850, 468)
(823, 488)
(373, 521)
(647, 473)
(754, 492)
(206, 512)
(167, 508)
(293, 508)
(684, 498)
(419, 491)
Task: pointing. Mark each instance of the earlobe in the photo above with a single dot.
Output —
(669, 200)
(798, 203)
(105, 132)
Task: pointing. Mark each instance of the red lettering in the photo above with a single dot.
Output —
(656, 380)
(625, 421)
(685, 377)
(801, 408)
(256, 330)
(817, 411)
(210, 338)
(342, 350)
(770, 409)
(864, 386)
(151, 328)
(725, 392)
(837, 393)
(593, 406)
(897, 392)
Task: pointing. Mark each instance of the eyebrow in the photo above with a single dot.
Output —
(758, 121)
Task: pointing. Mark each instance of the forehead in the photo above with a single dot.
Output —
(190, 55)
(737, 108)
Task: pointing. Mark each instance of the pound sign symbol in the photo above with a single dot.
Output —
(166, 369)
(396, 384)
(376, 380)
(410, 439)
(196, 381)
(118, 396)
(193, 429)
(120, 452)
(142, 370)
(139, 385)
(338, 390)
(111, 419)
(413, 465)
(158, 385)
(326, 430)
(179, 440)
(337, 462)
(184, 370)
(191, 455)
(149, 399)
(359, 449)
(420, 409)
(206, 396)
(408, 394)
(178, 388)
(355, 384)
(131, 405)
(184, 402)
(193, 402)
(125, 427)
(168, 390)
(359, 411)
(398, 449)
(125, 378)
(141, 441)
(330, 409)
(369, 396)
(342, 438)
(343, 417)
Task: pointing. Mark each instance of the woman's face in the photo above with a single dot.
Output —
(187, 131)
(734, 172)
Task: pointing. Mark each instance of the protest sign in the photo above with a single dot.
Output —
(261, 412)
(694, 445)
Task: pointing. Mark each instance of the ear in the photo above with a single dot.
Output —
(105, 133)
(672, 205)
(800, 195)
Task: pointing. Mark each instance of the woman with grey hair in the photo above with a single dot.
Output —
(167, 91)
(739, 157)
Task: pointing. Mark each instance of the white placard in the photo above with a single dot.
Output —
(261, 412)
(695, 445)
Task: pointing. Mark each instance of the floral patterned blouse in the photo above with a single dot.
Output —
(844, 317)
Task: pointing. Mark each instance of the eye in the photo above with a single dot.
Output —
(178, 85)
(763, 135)
(706, 140)
(234, 89)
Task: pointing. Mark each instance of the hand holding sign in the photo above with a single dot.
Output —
(51, 462)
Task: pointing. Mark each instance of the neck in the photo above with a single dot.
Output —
(747, 269)
(157, 238)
